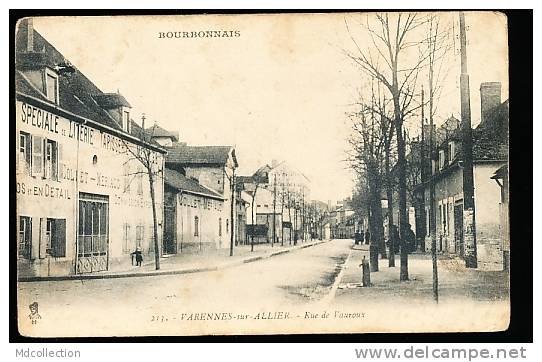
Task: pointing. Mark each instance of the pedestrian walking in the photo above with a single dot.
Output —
(138, 256)
(367, 237)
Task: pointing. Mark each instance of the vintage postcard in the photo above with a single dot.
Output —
(257, 174)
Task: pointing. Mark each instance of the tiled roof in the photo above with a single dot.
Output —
(157, 131)
(490, 138)
(76, 91)
(182, 154)
(182, 183)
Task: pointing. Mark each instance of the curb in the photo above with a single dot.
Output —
(164, 272)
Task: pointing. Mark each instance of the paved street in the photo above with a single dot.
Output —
(316, 286)
(278, 283)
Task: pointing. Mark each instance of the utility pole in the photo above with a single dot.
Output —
(274, 209)
(422, 177)
(432, 211)
(432, 216)
(232, 228)
(469, 214)
(303, 215)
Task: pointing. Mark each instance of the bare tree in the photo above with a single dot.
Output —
(370, 131)
(394, 60)
(148, 159)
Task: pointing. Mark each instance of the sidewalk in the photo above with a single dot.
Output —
(455, 281)
(189, 262)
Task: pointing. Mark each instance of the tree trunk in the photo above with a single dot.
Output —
(389, 194)
(401, 167)
(253, 226)
(232, 215)
(155, 222)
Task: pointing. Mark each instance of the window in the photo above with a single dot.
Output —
(51, 86)
(227, 226)
(25, 151)
(126, 238)
(126, 121)
(93, 231)
(25, 237)
(50, 160)
(441, 159)
(451, 150)
(196, 226)
(127, 177)
(219, 226)
(140, 233)
(55, 237)
(37, 156)
(140, 183)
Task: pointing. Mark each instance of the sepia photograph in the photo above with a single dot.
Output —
(262, 174)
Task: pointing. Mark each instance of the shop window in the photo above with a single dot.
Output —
(227, 226)
(196, 226)
(93, 225)
(51, 86)
(55, 237)
(219, 226)
(25, 237)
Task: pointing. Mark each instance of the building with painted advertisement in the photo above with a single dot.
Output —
(209, 168)
(193, 215)
(83, 197)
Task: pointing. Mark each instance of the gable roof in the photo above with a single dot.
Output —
(157, 131)
(75, 90)
(180, 182)
(182, 154)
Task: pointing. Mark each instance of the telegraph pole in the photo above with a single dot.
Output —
(423, 177)
(274, 208)
(469, 214)
(232, 228)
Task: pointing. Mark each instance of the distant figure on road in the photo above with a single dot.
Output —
(361, 236)
(367, 237)
(395, 238)
(410, 239)
(138, 256)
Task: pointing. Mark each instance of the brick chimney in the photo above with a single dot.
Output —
(29, 35)
(490, 97)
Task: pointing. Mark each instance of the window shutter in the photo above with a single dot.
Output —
(37, 155)
(42, 238)
(58, 160)
(59, 238)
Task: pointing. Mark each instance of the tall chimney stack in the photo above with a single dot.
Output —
(29, 35)
(490, 97)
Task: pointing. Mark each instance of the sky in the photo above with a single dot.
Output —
(279, 91)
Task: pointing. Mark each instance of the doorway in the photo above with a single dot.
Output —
(93, 233)
(458, 229)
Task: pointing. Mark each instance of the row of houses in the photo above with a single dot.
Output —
(84, 201)
(444, 167)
